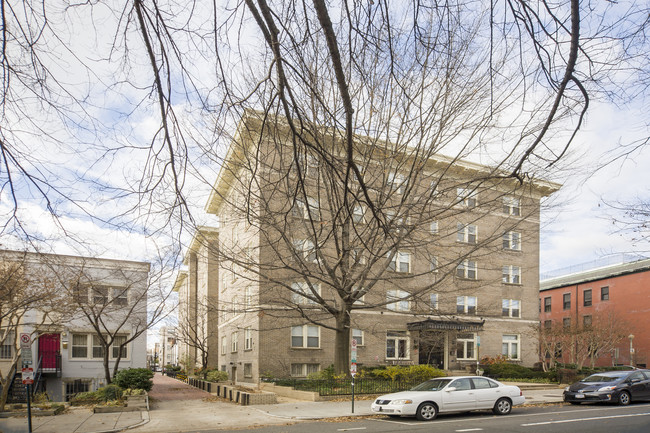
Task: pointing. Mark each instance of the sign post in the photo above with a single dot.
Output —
(353, 365)
(28, 380)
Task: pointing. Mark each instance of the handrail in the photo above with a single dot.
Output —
(37, 375)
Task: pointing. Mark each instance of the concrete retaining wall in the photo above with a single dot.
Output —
(289, 392)
(234, 394)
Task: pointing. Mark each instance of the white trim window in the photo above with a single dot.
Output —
(433, 302)
(358, 214)
(89, 346)
(434, 228)
(248, 338)
(467, 233)
(304, 249)
(510, 308)
(466, 346)
(467, 197)
(511, 274)
(7, 348)
(398, 300)
(512, 241)
(248, 297)
(397, 182)
(306, 336)
(248, 369)
(433, 263)
(467, 269)
(100, 295)
(401, 262)
(357, 334)
(303, 370)
(510, 346)
(466, 304)
(118, 341)
(397, 345)
(511, 206)
(302, 292)
(302, 209)
(233, 342)
(224, 345)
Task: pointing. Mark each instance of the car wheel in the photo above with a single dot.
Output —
(624, 398)
(427, 411)
(503, 406)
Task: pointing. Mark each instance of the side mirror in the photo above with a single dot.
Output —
(450, 389)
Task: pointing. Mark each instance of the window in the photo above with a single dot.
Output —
(81, 294)
(100, 295)
(467, 197)
(397, 345)
(224, 345)
(98, 349)
(248, 297)
(397, 182)
(302, 209)
(358, 214)
(357, 334)
(467, 269)
(511, 206)
(512, 241)
(233, 342)
(466, 346)
(433, 302)
(302, 370)
(466, 304)
(511, 308)
(586, 295)
(75, 387)
(467, 233)
(248, 339)
(79, 346)
(117, 342)
(301, 292)
(401, 262)
(547, 304)
(307, 336)
(510, 346)
(433, 227)
(566, 322)
(511, 274)
(6, 350)
(434, 264)
(604, 293)
(305, 250)
(248, 370)
(120, 296)
(566, 301)
(586, 321)
(398, 300)
(548, 324)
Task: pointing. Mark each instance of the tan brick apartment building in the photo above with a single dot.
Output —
(437, 259)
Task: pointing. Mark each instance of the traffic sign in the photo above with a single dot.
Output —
(28, 376)
(353, 368)
(25, 341)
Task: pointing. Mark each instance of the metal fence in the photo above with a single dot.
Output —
(344, 386)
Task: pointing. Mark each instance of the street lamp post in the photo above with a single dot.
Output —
(631, 337)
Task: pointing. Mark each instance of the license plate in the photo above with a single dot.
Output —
(580, 396)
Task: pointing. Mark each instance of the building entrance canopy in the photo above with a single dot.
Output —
(447, 324)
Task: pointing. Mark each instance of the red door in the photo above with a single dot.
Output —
(48, 349)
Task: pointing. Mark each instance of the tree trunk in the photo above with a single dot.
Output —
(107, 370)
(342, 342)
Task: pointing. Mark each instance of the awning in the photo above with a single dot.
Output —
(447, 324)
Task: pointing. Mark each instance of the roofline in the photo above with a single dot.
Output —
(226, 172)
(36, 257)
(595, 274)
(180, 280)
(202, 235)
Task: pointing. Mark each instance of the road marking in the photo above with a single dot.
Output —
(470, 429)
(585, 419)
(349, 429)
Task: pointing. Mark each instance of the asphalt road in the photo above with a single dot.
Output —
(557, 419)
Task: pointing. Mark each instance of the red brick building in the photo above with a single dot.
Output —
(619, 293)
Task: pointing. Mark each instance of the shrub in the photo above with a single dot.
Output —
(216, 376)
(110, 392)
(140, 378)
(85, 398)
(130, 391)
(410, 373)
(515, 371)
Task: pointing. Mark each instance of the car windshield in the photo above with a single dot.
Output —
(431, 385)
(608, 377)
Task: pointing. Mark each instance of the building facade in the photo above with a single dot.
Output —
(606, 302)
(426, 260)
(65, 351)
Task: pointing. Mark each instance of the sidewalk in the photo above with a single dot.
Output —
(170, 414)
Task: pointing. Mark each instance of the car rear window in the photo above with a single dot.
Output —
(431, 385)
